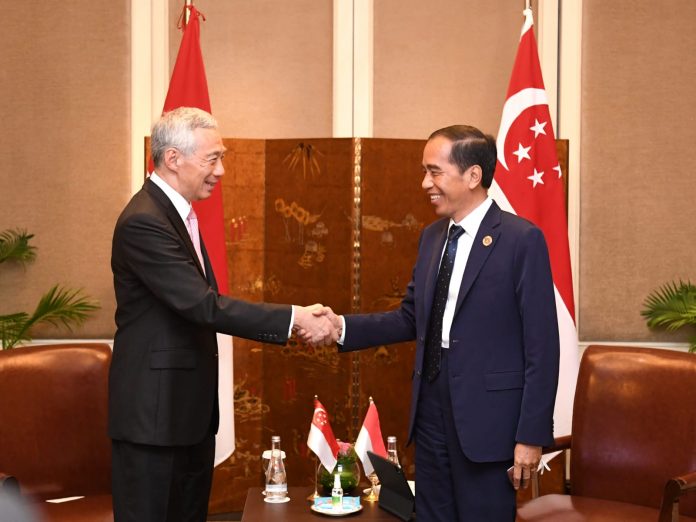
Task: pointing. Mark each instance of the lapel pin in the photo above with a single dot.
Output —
(487, 241)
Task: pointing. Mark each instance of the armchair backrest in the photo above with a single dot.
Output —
(634, 424)
(53, 419)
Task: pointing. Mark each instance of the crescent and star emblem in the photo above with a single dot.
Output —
(514, 106)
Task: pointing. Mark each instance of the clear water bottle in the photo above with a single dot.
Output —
(391, 450)
(337, 491)
(276, 479)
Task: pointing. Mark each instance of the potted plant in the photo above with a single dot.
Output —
(672, 306)
(59, 306)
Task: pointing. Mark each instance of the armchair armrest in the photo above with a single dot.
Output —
(559, 444)
(675, 488)
(8, 484)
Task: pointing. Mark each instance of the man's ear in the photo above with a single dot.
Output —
(171, 159)
(475, 176)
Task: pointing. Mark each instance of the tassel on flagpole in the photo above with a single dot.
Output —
(185, 15)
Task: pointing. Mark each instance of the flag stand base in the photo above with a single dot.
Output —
(373, 496)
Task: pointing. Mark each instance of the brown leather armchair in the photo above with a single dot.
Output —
(633, 442)
(53, 429)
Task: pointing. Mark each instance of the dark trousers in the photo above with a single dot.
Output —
(449, 486)
(162, 483)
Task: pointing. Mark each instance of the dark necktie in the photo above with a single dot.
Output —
(433, 343)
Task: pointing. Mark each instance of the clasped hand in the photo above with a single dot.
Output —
(317, 325)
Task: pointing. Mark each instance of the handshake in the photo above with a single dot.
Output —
(317, 325)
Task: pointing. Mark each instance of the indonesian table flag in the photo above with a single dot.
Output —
(321, 439)
(528, 182)
(188, 87)
(370, 438)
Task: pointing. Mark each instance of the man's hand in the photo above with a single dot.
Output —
(313, 325)
(335, 319)
(526, 463)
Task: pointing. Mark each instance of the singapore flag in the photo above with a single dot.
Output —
(528, 182)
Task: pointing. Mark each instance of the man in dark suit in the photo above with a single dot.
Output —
(163, 403)
(481, 308)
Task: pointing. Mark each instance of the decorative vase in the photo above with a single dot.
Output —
(350, 474)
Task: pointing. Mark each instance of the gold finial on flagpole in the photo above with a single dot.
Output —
(371, 399)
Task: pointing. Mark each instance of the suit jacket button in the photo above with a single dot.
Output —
(418, 373)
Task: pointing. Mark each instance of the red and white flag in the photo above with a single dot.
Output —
(321, 439)
(528, 182)
(188, 87)
(370, 438)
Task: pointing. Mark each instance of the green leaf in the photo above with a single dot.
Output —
(671, 306)
(14, 246)
(10, 326)
(58, 306)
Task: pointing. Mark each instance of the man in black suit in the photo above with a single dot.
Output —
(163, 403)
(481, 308)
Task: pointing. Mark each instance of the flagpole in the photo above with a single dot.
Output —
(315, 495)
(316, 471)
(373, 496)
(187, 12)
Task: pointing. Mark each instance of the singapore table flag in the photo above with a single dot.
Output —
(321, 439)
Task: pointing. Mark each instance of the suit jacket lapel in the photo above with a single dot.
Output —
(209, 274)
(433, 268)
(175, 220)
(479, 252)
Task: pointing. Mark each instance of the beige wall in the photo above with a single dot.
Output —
(442, 62)
(638, 192)
(64, 79)
(269, 65)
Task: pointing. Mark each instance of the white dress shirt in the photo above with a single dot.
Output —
(470, 224)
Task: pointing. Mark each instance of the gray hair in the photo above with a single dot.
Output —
(175, 130)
